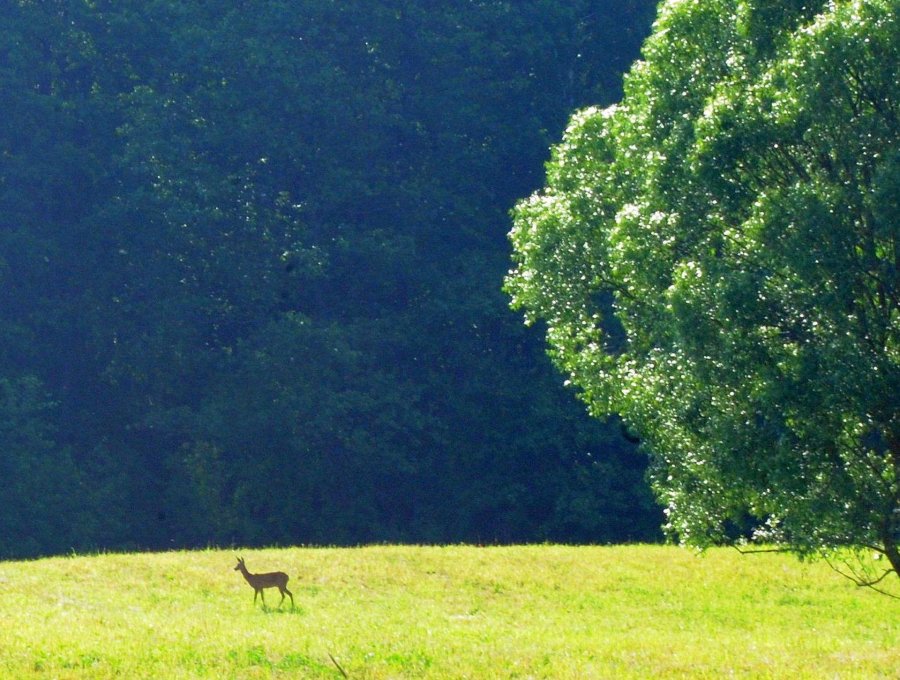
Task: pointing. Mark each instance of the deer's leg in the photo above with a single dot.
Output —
(290, 594)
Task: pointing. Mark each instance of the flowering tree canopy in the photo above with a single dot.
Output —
(716, 259)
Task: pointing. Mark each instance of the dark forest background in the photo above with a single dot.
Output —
(250, 261)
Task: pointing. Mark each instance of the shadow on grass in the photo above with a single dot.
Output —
(266, 609)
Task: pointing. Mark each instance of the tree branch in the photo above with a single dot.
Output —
(757, 551)
(863, 582)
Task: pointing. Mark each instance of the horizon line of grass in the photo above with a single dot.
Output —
(452, 611)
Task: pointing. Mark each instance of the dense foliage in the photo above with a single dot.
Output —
(250, 264)
(718, 260)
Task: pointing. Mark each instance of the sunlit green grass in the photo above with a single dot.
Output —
(444, 612)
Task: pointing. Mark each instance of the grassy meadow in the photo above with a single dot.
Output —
(444, 612)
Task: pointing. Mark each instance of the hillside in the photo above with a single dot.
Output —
(444, 612)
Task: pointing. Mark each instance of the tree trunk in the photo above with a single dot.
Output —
(891, 529)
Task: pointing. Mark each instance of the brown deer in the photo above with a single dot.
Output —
(273, 579)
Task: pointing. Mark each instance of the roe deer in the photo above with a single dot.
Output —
(273, 579)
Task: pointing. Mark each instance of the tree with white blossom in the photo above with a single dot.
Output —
(717, 260)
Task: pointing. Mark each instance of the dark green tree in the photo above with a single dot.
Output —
(41, 492)
(716, 258)
(253, 258)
